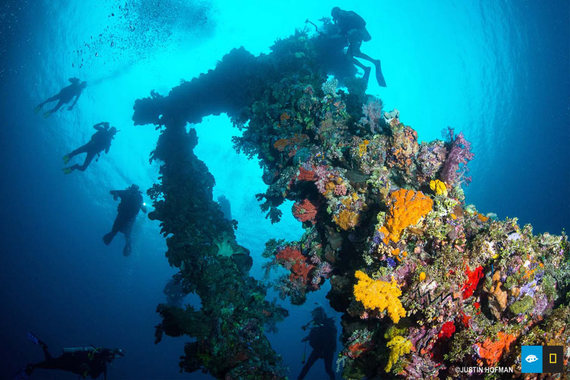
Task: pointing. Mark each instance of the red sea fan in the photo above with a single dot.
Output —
(473, 278)
(305, 211)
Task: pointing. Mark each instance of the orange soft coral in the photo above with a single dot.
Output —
(306, 175)
(492, 351)
(378, 294)
(297, 139)
(356, 349)
(406, 207)
(300, 270)
(305, 211)
(289, 254)
(292, 259)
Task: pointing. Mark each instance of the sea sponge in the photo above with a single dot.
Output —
(378, 294)
(497, 296)
(406, 207)
(491, 351)
(472, 281)
(362, 147)
(346, 219)
(438, 187)
(398, 346)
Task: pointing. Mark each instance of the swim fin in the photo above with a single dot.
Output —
(379, 77)
(47, 114)
(66, 158)
(127, 250)
(37, 109)
(24, 373)
(67, 170)
(366, 74)
(108, 238)
(32, 338)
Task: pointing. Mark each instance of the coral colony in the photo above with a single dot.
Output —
(426, 284)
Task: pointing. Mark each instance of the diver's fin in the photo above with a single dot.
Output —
(35, 340)
(379, 76)
(127, 250)
(37, 109)
(47, 114)
(366, 74)
(24, 373)
(108, 238)
(66, 158)
(67, 170)
(32, 338)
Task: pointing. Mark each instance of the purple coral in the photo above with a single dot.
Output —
(459, 154)
(372, 112)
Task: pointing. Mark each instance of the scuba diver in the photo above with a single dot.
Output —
(83, 361)
(131, 203)
(64, 96)
(353, 28)
(225, 206)
(174, 291)
(322, 339)
(100, 141)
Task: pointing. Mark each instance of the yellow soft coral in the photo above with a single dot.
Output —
(399, 346)
(346, 219)
(406, 208)
(362, 147)
(381, 295)
(438, 187)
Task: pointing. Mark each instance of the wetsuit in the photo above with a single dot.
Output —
(351, 25)
(100, 141)
(84, 361)
(322, 339)
(131, 203)
(64, 96)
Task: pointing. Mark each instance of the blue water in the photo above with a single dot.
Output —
(498, 71)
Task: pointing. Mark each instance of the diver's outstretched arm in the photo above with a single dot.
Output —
(105, 124)
(118, 193)
(74, 102)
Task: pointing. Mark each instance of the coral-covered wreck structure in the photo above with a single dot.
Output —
(426, 284)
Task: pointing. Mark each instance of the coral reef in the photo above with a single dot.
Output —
(378, 294)
(384, 220)
(228, 329)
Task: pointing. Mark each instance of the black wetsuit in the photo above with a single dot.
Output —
(100, 141)
(65, 95)
(322, 339)
(89, 361)
(351, 25)
(131, 203)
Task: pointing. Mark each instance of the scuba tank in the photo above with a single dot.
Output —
(74, 350)
(90, 350)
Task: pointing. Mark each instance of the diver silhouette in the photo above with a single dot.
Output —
(100, 141)
(83, 361)
(65, 95)
(322, 339)
(353, 28)
(131, 203)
